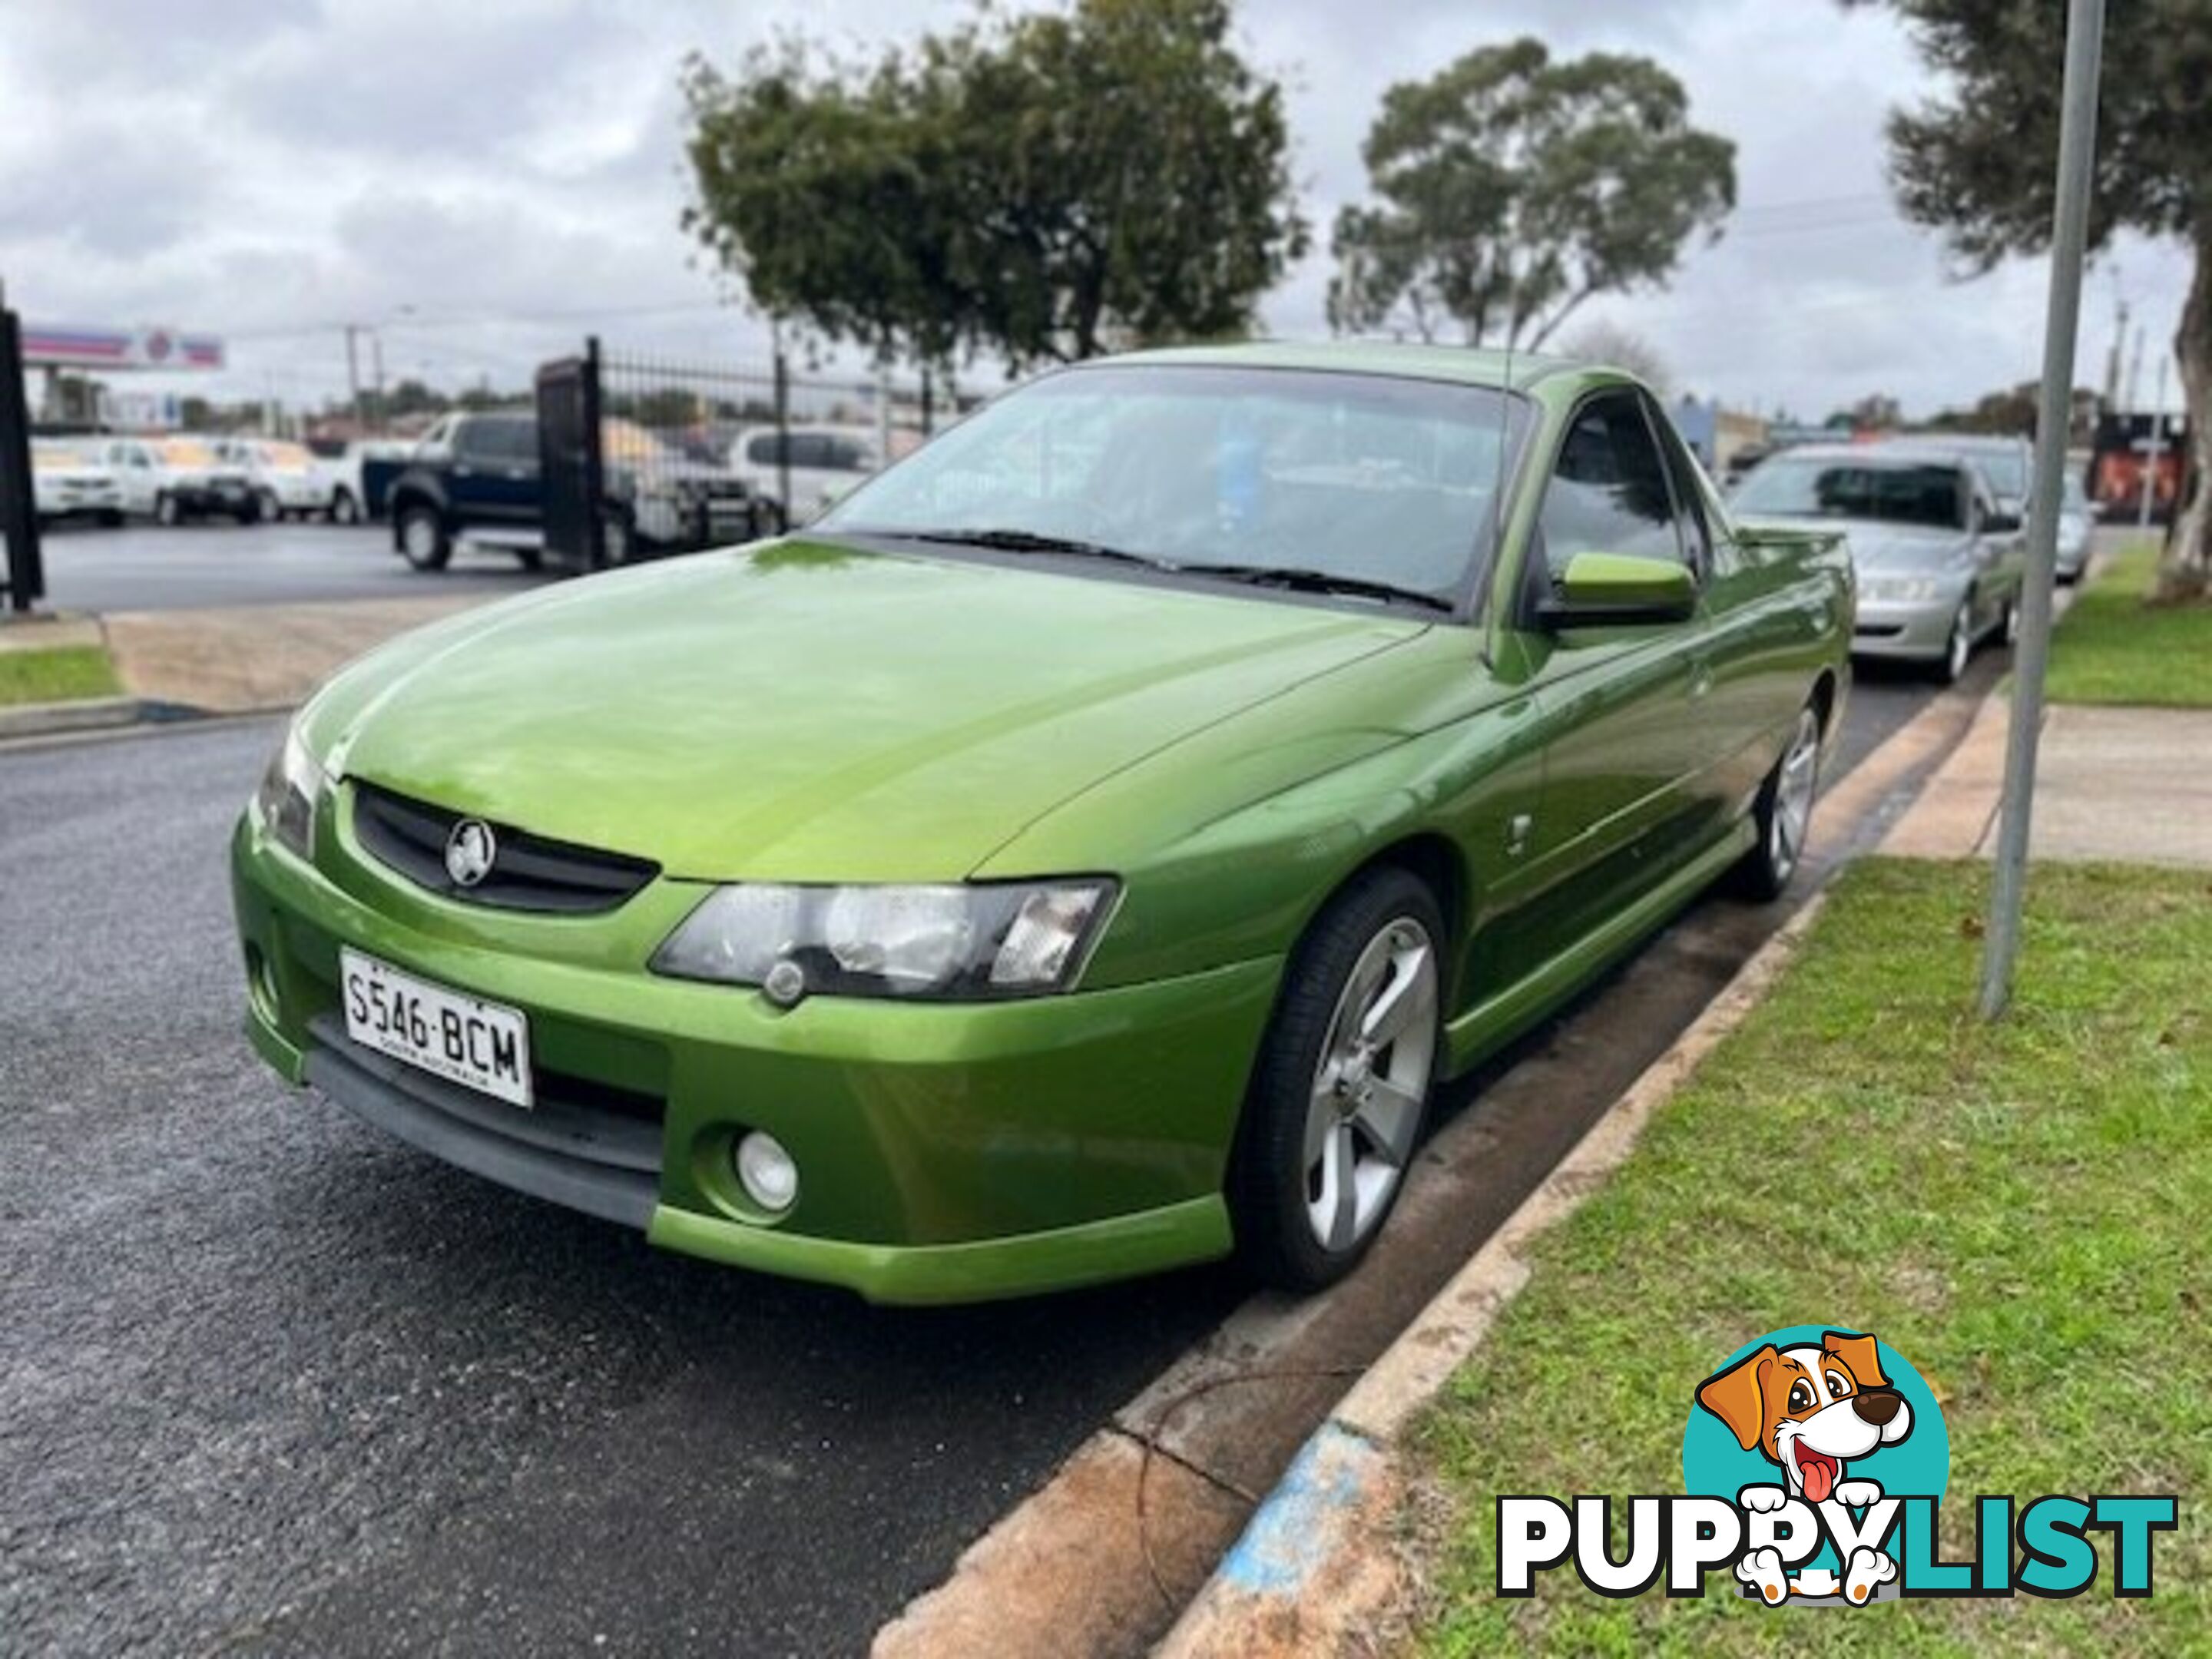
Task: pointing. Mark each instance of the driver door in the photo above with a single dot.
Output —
(1618, 811)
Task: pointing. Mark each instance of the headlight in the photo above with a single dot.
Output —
(291, 791)
(1901, 590)
(937, 943)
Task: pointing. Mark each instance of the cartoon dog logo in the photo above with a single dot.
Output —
(1810, 1410)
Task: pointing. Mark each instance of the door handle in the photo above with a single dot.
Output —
(1701, 681)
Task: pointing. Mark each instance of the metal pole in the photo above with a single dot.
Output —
(23, 569)
(2077, 149)
(783, 441)
(883, 417)
(595, 460)
(2157, 450)
(352, 375)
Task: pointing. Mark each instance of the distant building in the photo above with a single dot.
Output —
(1718, 435)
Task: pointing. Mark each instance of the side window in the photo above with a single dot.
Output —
(515, 441)
(1608, 491)
(760, 449)
(485, 440)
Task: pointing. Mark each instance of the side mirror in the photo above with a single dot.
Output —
(1619, 590)
(1998, 522)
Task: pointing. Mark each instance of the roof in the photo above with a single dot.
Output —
(1897, 453)
(1457, 365)
(1978, 442)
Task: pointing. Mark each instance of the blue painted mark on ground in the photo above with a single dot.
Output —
(1293, 1532)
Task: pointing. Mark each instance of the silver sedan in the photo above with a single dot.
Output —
(1939, 563)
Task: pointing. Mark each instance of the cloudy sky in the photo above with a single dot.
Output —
(483, 180)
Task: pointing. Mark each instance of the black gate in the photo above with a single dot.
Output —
(571, 465)
(23, 576)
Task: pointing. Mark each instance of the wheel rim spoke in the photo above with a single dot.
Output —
(1388, 1118)
(1402, 1000)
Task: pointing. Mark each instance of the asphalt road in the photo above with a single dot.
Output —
(148, 568)
(272, 1382)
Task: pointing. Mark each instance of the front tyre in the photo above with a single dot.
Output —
(617, 538)
(343, 508)
(1958, 645)
(1783, 813)
(1342, 1083)
(424, 541)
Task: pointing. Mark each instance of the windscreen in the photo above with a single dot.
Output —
(1360, 476)
(1796, 487)
(2006, 470)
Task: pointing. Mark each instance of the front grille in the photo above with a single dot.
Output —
(529, 873)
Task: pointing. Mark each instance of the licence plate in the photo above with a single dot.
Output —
(463, 1039)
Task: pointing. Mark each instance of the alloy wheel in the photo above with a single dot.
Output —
(1370, 1084)
(1793, 795)
(1959, 649)
(420, 535)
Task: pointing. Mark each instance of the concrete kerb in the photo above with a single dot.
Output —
(1315, 1571)
(46, 719)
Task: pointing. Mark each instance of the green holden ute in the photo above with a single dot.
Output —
(1086, 850)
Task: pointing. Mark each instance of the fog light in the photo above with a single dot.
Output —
(766, 1172)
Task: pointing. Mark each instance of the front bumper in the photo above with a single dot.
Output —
(299, 495)
(946, 1152)
(1917, 631)
(79, 500)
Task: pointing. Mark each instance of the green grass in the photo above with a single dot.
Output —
(64, 675)
(2112, 649)
(2022, 1211)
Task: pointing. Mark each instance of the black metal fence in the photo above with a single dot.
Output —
(643, 455)
(23, 576)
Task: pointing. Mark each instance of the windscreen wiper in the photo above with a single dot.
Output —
(1019, 541)
(1316, 581)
